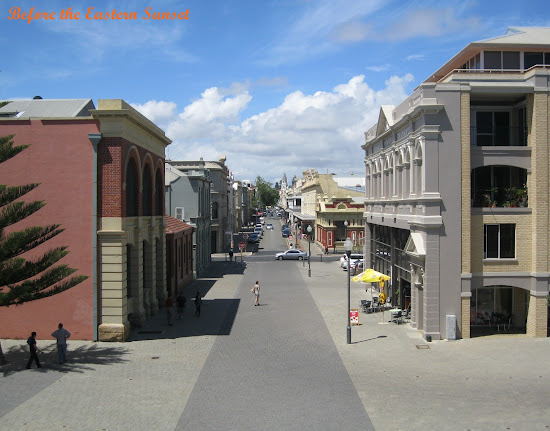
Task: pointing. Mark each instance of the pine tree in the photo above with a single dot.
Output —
(23, 280)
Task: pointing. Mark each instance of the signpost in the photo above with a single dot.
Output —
(241, 246)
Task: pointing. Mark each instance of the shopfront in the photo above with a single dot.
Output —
(498, 309)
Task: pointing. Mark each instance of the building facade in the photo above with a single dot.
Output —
(187, 190)
(179, 255)
(457, 185)
(101, 173)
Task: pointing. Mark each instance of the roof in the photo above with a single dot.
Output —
(47, 108)
(171, 174)
(173, 225)
(351, 181)
(531, 36)
(515, 37)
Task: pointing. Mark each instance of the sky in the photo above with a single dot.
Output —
(277, 86)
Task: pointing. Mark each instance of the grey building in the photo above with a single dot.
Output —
(187, 191)
(457, 207)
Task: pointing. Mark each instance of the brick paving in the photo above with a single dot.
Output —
(283, 365)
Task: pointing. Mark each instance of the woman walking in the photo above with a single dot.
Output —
(198, 302)
(256, 291)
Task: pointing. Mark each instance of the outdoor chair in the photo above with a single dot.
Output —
(397, 317)
(365, 306)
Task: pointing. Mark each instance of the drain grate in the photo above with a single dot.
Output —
(422, 346)
(150, 332)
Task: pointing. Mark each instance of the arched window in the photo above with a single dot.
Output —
(147, 196)
(131, 189)
(214, 210)
(159, 194)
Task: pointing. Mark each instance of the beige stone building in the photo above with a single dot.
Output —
(457, 201)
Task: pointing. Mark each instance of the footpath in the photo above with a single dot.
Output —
(497, 382)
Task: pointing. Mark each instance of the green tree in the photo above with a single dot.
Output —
(23, 280)
(266, 194)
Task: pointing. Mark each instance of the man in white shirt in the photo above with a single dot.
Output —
(61, 334)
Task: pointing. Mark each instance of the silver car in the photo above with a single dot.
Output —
(291, 254)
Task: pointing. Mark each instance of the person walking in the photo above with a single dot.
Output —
(61, 334)
(170, 310)
(198, 302)
(230, 255)
(256, 291)
(180, 301)
(326, 249)
(31, 341)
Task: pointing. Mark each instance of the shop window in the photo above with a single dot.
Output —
(499, 241)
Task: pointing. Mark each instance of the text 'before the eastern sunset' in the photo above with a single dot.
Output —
(91, 13)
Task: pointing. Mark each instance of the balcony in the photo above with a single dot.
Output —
(509, 197)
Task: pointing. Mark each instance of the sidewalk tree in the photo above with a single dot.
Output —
(266, 194)
(21, 279)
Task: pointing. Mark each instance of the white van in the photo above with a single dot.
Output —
(262, 220)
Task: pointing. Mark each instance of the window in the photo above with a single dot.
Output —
(499, 241)
(510, 60)
(493, 60)
(180, 213)
(159, 210)
(492, 128)
(147, 196)
(131, 190)
(531, 59)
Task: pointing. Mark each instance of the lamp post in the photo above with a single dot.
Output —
(309, 229)
(348, 245)
(346, 228)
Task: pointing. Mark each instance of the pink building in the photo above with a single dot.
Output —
(101, 174)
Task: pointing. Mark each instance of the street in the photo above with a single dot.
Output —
(283, 365)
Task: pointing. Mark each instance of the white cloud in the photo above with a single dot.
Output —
(323, 130)
(161, 113)
(381, 68)
(430, 22)
(415, 57)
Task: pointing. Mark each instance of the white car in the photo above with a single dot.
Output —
(291, 254)
(269, 226)
(344, 258)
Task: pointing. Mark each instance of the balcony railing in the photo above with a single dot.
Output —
(498, 136)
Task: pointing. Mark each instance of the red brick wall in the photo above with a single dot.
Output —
(113, 154)
(60, 157)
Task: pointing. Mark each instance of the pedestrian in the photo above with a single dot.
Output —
(170, 310)
(326, 249)
(230, 255)
(61, 334)
(31, 341)
(180, 301)
(256, 291)
(198, 302)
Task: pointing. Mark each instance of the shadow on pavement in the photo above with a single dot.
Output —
(216, 318)
(79, 359)
(369, 339)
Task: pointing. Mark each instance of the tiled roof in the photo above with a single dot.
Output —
(173, 225)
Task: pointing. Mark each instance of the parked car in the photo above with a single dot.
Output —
(285, 226)
(253, 238)
(291, 254)
(357, 267)
(353, 263)
(344, 258)
(286, 233)
(269, 226)
(258, 231)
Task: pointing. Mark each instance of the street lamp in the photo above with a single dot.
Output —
(309, 254)
(348, 245)
(346, 228)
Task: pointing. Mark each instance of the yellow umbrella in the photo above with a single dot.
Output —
(371, 276)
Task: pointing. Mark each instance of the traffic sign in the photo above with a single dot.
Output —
(241, 245)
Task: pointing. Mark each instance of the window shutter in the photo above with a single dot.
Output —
(180, 213)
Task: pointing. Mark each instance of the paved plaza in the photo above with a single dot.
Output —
(284, 365)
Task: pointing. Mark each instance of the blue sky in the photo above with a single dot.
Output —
(278, 86)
